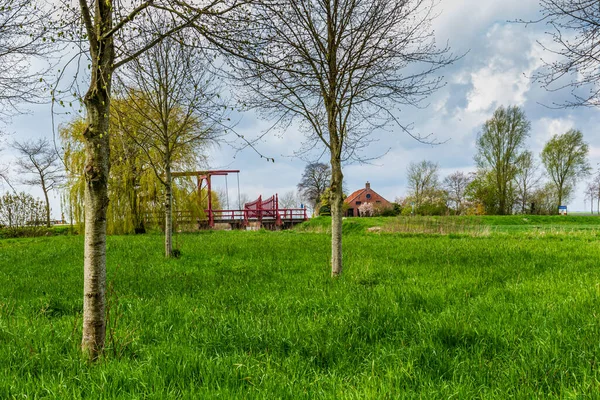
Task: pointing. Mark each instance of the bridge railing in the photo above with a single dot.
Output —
(284, 214)
(233, 215)
(292, 213)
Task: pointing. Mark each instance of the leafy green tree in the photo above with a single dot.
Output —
(135, 192)
(74, 160)
(499, 146)
(481, 192)
(565, 159)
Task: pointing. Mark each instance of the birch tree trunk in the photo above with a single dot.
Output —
(97, 167)
(96, 202)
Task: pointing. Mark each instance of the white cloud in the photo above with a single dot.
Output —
(505, 79)
(495, 72)
(544, 128)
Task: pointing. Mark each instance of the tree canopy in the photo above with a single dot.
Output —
(499, 146)
(565, 159)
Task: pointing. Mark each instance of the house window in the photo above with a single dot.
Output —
(358, 203)
(368, 196)
(377, 201)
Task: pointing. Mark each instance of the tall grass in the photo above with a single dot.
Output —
(442, 226)
(467, 225)
(256, 315)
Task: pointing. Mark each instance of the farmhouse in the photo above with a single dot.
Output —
(364, 196)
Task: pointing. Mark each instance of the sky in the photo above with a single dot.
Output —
(500, 58)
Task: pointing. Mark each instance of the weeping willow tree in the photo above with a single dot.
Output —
(74, 160)
(174, 110)
(135, 192)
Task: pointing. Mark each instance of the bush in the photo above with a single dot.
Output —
(325, 211)
(390, 212)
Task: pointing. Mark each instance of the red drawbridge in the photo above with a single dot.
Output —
(262, 212)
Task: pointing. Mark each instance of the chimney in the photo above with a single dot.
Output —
(368, 186)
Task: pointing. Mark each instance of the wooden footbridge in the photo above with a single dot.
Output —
(258, 213)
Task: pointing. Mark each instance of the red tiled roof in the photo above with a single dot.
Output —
(357, 193)
(354, 195)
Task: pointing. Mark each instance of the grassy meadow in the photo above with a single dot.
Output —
(493, 307)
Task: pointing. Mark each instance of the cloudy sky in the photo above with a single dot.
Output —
(502, 56)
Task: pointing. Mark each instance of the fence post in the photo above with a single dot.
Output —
(277, 216)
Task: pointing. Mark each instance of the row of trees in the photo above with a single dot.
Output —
(19, 211)
(508, 177)
(338, 67)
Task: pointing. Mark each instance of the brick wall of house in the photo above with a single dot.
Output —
(362, 196)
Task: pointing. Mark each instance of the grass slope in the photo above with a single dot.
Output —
(460, 224)
(255, 315)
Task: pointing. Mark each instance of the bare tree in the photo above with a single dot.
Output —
(499, 147)
(243, 198)
(340, 67)
(315, 179)
(527, 179)
(21, 45)
(21, 32)
(176, 105)
(289, 200)
(38, 158)
(596, 185)
(565, 159)
(574, 27)
(456, 185)
(105, 30)
(422, 180)
(5, 176)
(591, 192)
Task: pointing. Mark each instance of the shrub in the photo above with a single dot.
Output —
(366, 210)
(325, 211)
(391, 211)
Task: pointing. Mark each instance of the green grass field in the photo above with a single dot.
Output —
(500, 313)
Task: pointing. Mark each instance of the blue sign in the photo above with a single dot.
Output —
(562, 210)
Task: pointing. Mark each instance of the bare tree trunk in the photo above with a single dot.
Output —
(168, 212)
(96, 201)
(47, 204)
(502, 201)
(560, 196)
(97, 167)
(524, 199)
(336, 201)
